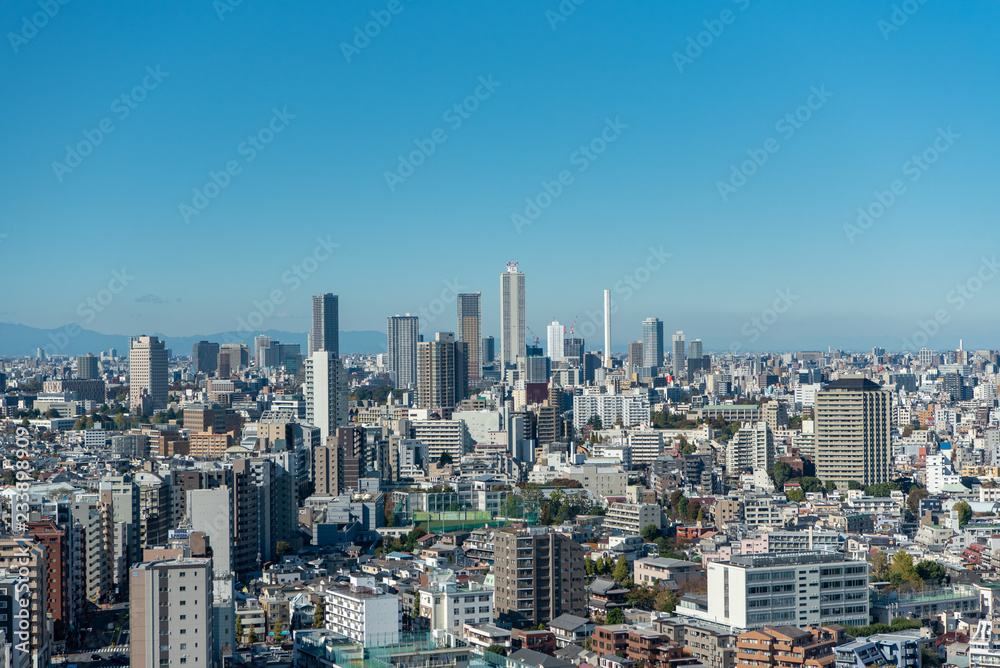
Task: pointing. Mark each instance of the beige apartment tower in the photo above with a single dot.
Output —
(470, 329)
(853, 418)
(539, 574)
(170, 620)
(147, 374)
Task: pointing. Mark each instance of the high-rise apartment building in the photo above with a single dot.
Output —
(539, 574)
(695, 351)
(680, 356)
(261, 344)
(121, 494)
(573, 350)
(205, 357)
(86, 368)
(512, 325)
(442, 372)
(325, 391)
(56, 541)
(363, 612)
(402, 335)
(147, 374)
(489, 350)
(750, 449)
(652, 342)
(635, 356)
(170, 618)
(556, 341)
(853, 426)
(470, 329)
(325, 332)
(27, 559)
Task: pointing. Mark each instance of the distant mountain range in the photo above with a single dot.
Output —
(73, 340)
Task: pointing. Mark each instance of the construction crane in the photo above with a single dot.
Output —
(533, 336)
(573, 326)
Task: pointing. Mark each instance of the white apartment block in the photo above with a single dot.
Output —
(171, 620)
(646, 445)
(632, 517)
(363, 613)
(797, 589)
(450, 607)
(939, 472)
(441, 436)
(632, 408)
(751, 449)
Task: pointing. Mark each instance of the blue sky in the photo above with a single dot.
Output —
(680, 124)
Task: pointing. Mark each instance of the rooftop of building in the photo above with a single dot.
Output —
(787, 559)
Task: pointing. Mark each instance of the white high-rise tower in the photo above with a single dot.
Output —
(557, 335)
(607, 329)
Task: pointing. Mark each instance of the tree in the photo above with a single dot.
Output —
(913, 499)
(282, 547)
(319, 617)
(615, 616)
(622, 571)
(880, 565)
(930, 571)
(782, 473)
(497, 649)
(252, 638)
(882, 489)
(811, 484)
(853, 484)
(964, 511)
(445, 459)
(650, 533)
(595, 422)
(830, 487)
(239, 629)
(588, 565)
(901, 569)
(796, 495)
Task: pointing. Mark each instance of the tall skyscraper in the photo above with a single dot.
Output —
(607, 329)
(325, 332)
(470, 329)
(635, 356)
(652, 342)
(402, 336)
(86, 368)
(853, 426)
(573, 350)
(147, 374)
(695, 351)
(556, 334)
(512, 325)
(261, 344)
(680, 356)
(325, 392)
(442, 372)
(205, 357)
(489, 350)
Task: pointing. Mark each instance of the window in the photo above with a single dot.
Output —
(183, 616)
(182, 588)
(183, 602)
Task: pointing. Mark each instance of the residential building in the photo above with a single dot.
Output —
(363, 613)
(539, 574)
(401, 342)
(470, 330)
(778, 646)
(853, 425)
(652, 343)
(632, 518)
(325, 331)
(680, 356)
(170, 614)
(147, 373)
(449, 607)
(512, 325)
(325, 390)
(442, 373)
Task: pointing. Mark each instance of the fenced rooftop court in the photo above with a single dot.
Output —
(411, 649)
(928, 595)
(784, 558)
